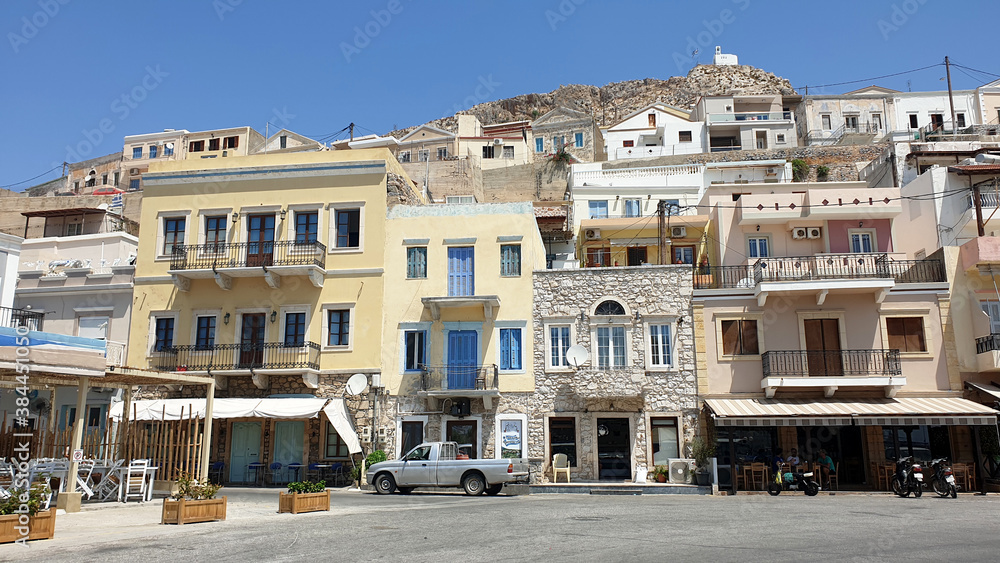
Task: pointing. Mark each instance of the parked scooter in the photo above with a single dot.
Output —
(909, 478)
(943, 480)
(793, 482)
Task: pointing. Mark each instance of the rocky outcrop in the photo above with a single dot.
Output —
(613, 101)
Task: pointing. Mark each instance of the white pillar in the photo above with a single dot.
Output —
(77, 443)
(206, 436)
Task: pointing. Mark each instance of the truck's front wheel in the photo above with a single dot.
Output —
(474, 484)
(385, 484)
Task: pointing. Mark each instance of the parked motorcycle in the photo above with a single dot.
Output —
(943, 480)
(793, 482)
(908, 478)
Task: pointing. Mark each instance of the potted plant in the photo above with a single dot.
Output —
(193, 502)
(304, 496)
(702, 451)
(660, 473)
(22, 517)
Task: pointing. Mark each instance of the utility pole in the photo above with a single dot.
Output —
(661, 224)
(979, 208)
(351, 127)
(951, 101)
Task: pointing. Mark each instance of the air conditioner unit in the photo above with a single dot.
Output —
(133, 171)
(678, 232)
(592, 234)
(497, 141)
(681, 470)
(799, 233)
(225, 153)
(772, 171)
(814, 232)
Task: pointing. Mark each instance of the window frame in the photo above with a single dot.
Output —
(94, 316)
(660, 321)
(678, 426)
(154, 317)
(137, 153)
(153, 150)
(161, 219)
(306, 213)
(352, 319)
(179, 231)
(327, 429)
(488, 152)
(507, 152)
(403, 157)
(826, 122)
(578, 140)
(405, 329)
(539, 144)
(590, 208)
(753, 246)
(719, 318)
(638, 207)
(558, 323)
(924, 315)
(861, 232)
(285, 313)
(416, 250)
(335, 209)
(521, 331)
(681, 135)
(575, 462)
(196, 333)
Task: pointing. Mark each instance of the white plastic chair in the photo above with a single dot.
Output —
(135, 480)
(110, 481)
(83, 477)
(560, 464)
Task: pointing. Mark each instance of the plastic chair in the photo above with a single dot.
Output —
(110, 482)
(135, 480)
(560, 464)
(218, 470)
(335, 474)
(84, 471)
(314, 471)
(271, 471)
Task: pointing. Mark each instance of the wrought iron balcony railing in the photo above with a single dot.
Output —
(14, 318)
(987, 343)
(819, 267)
(247, 255)
(817, 363)
(460, 377)
(242, 356)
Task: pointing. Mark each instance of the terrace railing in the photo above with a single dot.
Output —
(247, 254)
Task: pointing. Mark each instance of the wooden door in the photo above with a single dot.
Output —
(252, 341)
(464, 432)
(260, 240)
(823, 347)
(636, 255)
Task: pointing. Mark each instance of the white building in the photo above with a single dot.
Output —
(655, 130)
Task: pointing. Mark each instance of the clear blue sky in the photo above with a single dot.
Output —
(139, 67)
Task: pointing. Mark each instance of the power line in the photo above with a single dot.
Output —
(30, 179)
(975, 70)
(874, 77)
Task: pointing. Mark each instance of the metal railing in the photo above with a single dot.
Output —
(986, 199)
(987, 343)
(823, 266)
(822, 363)
(263, 355)
(13, 318)
(460, 377)
(725, 148)
(247, 254)
(749, 116)
(643, 172)
(720, 277)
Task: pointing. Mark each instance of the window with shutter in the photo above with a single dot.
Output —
(510, 260)
(739, 338)
(416, 262)
(906, 334)
(510, 349)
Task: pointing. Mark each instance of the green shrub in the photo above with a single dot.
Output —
(354, 473)
(34, 497)
(191, 489)
(822, 172)
(800, 170)
(307, 487)
(376, 456)
(702, 451)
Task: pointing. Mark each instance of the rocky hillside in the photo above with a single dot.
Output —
(613, 101)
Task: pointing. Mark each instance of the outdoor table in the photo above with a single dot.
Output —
(150, 477)
(256, 467)
(298, 470)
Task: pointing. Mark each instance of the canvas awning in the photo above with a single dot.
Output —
(991, 390)
(908, 411)
(288, 407)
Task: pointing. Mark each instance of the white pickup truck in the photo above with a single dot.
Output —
(437, 464)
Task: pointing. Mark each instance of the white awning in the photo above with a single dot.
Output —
(908, 411)
(290, 407)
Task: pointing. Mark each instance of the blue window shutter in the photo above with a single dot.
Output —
(515, 352)
(505, 349)
(579, 139)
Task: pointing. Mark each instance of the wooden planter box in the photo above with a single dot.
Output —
(190, 511)
(42, 524)
(303, 502)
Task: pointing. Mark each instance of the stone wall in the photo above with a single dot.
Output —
(399, 191)
(12, 222)
(844, 162)
(635, 391)
(451, 177)
(542, 180)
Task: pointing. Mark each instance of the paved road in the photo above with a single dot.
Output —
(444, 527)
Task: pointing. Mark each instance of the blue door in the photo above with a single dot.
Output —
(245, 449)
(461, 271)
(463, 357)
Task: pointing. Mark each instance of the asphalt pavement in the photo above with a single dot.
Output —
(435, 526)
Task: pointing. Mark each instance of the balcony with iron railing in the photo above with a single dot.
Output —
(988, 353)
(271, 260)
(731, 118)
(831, 369)
(239, 357)
(15, 318)
(460, 381)
(818, 267)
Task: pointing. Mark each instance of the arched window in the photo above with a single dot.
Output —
(92, 179)
(609, 308)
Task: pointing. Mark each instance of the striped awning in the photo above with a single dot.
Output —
(907, 411)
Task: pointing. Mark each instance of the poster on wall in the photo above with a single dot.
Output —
(511, 439)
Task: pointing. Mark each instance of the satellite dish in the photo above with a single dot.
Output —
(356, 384)
(169, 145)
(577, 355)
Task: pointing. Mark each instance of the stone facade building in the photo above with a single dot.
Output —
(633, 401)
(573, 130)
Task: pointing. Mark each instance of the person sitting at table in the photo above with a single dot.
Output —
(776, 460)
(826, 467)
(793, 458)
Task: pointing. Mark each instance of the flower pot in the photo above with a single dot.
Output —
(41, 526)
(661, 478)
(703, 478)
(186, 511)
(303, 502)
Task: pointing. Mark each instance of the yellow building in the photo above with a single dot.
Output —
(266, 272)
(457, 333)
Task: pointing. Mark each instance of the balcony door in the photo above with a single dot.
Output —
(463, 357)
(461, 271)
(260, 240)
(252, 340)
(823, 347)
